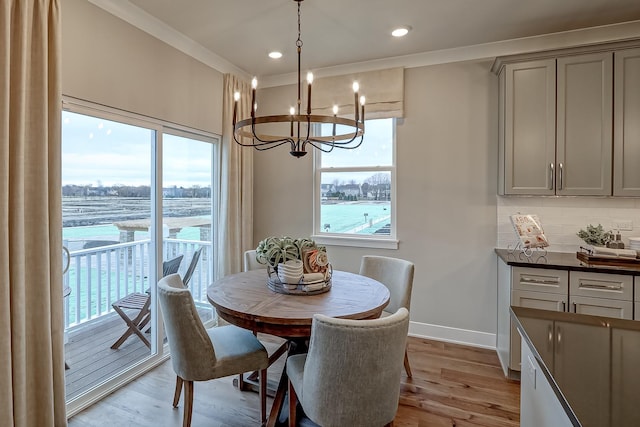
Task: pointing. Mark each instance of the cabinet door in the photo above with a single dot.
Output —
(541, 300)
(584, 125)
(588, 395)
(626, 131)
(625, 371)
(601, 307)
(529, 127)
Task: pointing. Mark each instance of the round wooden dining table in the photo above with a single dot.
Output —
(245, 300)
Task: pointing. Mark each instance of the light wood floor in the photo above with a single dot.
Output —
(452, 385)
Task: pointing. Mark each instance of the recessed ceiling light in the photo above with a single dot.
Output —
(400, 31)
(275, 55)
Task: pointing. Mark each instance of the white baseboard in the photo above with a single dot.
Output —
(453, 335)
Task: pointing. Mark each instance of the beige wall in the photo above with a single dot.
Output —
(107, 61)
(446, 183)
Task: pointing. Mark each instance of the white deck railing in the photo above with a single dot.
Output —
(100, 276)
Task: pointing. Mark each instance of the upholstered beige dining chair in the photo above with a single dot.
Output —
(250, 261)
(397, 275)
(200, 354)
(351, 374)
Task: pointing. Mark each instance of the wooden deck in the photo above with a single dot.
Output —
(90, 357)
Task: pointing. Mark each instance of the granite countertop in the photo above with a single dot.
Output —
(562, 261)
(590, 362)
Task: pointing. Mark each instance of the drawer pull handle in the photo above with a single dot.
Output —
(598, 286)
(539, 281)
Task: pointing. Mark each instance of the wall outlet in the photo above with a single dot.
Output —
(623, 224)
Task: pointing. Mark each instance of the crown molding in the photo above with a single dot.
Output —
(140, 19)
(567, 39)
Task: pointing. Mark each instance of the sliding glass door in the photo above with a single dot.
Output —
(187, 182)
(137, 204)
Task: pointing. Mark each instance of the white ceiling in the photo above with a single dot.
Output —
(339, 32)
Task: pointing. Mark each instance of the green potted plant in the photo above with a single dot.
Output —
(595, 235)
(275, 250)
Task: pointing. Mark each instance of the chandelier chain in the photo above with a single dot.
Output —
(299, 41)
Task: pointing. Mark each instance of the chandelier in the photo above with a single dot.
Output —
(301, 125)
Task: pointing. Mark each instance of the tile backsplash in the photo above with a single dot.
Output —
(563, 217)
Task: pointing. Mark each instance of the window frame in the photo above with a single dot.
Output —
(355, 240)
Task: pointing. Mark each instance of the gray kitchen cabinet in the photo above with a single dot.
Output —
(525, 287)
(584, 124)
(555, 134)
(626, 130)
(581, 292)
(602, 307)
(625, 369)
(568, 369)
(542, 300)
(597, 294)
(528, 116)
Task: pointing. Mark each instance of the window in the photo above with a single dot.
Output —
(355, 190)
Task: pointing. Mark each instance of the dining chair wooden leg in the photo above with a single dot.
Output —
(263, 396)
(176, 394)
(407, 367)
(293, 403)
(188, 403)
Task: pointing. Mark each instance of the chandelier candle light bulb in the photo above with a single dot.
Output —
(356, 88)
(236, 97)
(292, 111)
(306, 125)
(309, 81)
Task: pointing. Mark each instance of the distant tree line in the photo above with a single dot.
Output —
(376, 187)
(141, 191)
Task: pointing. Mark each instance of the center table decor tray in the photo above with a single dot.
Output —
(314, 287)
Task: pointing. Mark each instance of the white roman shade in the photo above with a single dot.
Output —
(383, 89)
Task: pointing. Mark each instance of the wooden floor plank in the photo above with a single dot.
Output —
(452, 386)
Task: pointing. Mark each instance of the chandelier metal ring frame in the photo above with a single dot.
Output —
(300, 125)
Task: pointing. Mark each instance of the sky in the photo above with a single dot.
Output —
(102, 152)
(98, 152)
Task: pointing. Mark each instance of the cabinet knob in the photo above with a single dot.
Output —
(552, 175)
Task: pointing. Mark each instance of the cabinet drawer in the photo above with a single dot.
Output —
(540, 280)
(598, 285)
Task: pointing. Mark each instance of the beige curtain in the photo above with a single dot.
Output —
(31, 322)
(383, 90)
(235, 213)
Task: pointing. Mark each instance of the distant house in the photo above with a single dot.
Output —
(349, 189)
(325, 189)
